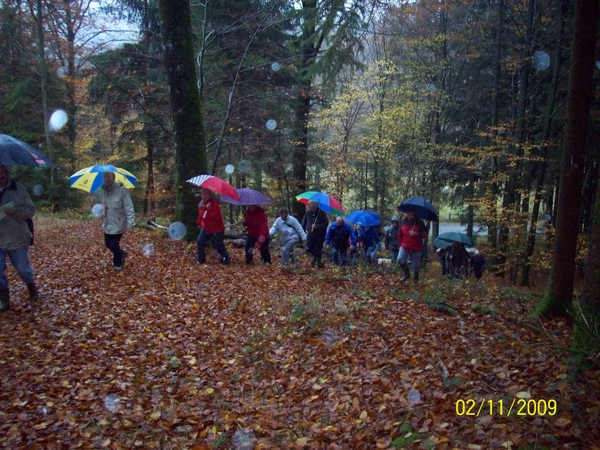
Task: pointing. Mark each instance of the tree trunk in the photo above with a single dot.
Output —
(558, 298)
(186, 108)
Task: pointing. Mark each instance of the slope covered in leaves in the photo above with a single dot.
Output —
(169, 354)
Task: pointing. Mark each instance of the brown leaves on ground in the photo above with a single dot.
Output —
(170, 354)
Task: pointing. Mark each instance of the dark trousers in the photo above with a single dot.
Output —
(217, 243)
(339, 255)
(265, 254)
(112, 242)
(314, 246)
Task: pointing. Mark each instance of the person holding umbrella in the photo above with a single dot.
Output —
(15, 236)
(411, 233)
(391, 239)
(255, 221)
(118, 215)
(315, 224)
(457, 260)
(212, 227)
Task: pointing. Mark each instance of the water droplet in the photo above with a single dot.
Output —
(243, 439)
(38, 189)
(112, 403)
(229, 169)
(98, 210)
(181, 206)
(414, 396)
(271, 124)
(244, 166)
(598, 64)
(58, 119)
(446, 190)
(275, 67)
(176, 230)
(541, 60)
(148, 249)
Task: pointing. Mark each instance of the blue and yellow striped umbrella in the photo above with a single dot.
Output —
(90, 178)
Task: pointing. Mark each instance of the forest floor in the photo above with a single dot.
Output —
(172, 355)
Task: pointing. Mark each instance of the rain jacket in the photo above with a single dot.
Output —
(412, 244)
(391, 238)
(119, 215)
(369, 236)
(14, 231)
(256, 223)
(210, 218)
(288, 229)
(319, 219)
(340, 237)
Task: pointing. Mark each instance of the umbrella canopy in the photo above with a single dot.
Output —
(454, 236)
(247, 197)
(15, 152)
(90, 178)
(440, 243)
(365, 218)
(215, 184)
(424, 209)
(326, 202)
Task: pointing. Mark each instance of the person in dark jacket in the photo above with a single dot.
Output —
(457, 260)
(257, 226)
(315, 223)
(16, 208)
(370, 239)
(210, 222)
(411, 233)
(340, 236)
(391, 239)
(478, 264)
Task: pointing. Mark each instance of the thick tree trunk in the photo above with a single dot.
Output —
(186, 108)
(558, 298)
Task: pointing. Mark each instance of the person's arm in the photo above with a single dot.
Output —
(300, 229)
(23, 208)
(328, 235)
(274, 228)
(129, 209)
(352, 237)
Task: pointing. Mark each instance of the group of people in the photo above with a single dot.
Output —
(456, 262)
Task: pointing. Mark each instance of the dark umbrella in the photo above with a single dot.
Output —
(454, 236)
(15, 152)
(424, 209)
(247, 197)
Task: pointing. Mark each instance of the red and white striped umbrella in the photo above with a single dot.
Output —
(215, 184)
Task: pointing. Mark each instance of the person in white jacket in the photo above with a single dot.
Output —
(290, 232)
(118, 216)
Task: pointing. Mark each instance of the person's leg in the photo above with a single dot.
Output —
(20, 261)
(249, 248)
(343, 256)
(112, 243)
(219, 246)
(415, 260)
(403, 262)
(201, 242)
(288, 252)
(318, 250)
(335, 256)
(265, 252)
(4, 292)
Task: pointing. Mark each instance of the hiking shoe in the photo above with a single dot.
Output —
(118, 268)
(33, 292)
(225, 260)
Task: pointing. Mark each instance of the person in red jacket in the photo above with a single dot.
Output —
(411, 233)
(210, 222)
(257, 226)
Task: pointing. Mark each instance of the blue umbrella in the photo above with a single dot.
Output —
(365, 218)
(424, 209)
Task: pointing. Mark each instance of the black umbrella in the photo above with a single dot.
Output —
(15, 152)
(424, 209)
(453, 236)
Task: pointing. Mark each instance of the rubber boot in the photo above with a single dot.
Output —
(249, 256)
(416, 277)
(33, 292)
(4, 299)
(406, 275)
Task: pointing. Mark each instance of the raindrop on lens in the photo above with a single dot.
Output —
(181, 206)
(38, 189)
(446, 190)
(148, 249)
(244, 166)
(243, 439)
(176, 230)
(413, 396)
(58, 119)
(541, 60)
(112, 403)
(271, 124)
(98, 210)
(229, 169)
(275, 67)
(598, 64)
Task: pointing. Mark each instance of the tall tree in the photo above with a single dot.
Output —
(558, 298)
(186, 108)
